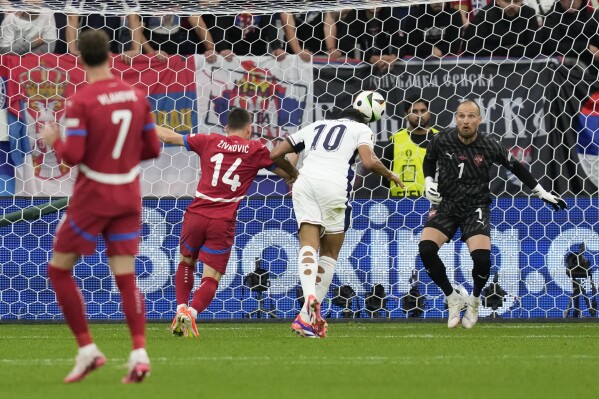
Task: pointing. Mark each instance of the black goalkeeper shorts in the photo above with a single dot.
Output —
(471, 222)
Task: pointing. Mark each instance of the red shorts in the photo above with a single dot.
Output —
(78, 233)
(206, 239)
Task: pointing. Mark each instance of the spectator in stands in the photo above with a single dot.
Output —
(541, 7)
(505, 29)
(304, 33)
(465, 7)
(337, 25)
(571, 30)
(471, 7)
(370, 32)
(381, 40)
(409, 147)
(28, 32)
(60, 19)
(248, 34)
(124, 31)
(167, 34)
(432, 30)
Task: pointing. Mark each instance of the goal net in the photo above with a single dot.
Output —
(291, 63)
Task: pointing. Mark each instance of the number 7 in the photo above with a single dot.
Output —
(122, 117)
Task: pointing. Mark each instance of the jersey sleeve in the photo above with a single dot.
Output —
(501, 155)
(366, 136)
(195, 142)
(297, 139)
(151, 145)
(73, 148)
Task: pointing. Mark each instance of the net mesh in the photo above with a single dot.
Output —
(536, 97)
(184, 8)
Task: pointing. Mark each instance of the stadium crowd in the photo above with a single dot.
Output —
(380, 36)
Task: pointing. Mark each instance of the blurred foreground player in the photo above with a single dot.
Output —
(109, 130)
(229, 165)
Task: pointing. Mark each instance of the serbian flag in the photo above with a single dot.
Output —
(37, 89)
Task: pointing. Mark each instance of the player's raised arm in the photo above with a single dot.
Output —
(282, 149)
(514, 166)
(169, 136)
(151, 146)
(374, 164)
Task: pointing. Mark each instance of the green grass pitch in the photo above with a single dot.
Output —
(358, 360)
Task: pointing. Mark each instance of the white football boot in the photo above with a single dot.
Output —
(471, 316)
(88, 359)
(455, 303)
(138, 368)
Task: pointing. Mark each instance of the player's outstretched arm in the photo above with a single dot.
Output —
(282, 149)
(288, 178)
(169, 137)
(556, 202)
(374, 164)
(527, 178)
(289, 172)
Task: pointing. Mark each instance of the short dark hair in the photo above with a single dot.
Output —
(408, 103)
(94, 47)
(239, 118)
(353, 114)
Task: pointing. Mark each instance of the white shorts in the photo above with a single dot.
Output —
(322, 203)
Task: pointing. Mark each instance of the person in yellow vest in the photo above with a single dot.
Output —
(409, 148)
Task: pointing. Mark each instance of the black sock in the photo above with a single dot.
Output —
(429, 253)
(481, 269)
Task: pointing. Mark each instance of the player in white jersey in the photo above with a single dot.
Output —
(321, 202)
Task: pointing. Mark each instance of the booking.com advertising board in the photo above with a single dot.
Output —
(530, 245)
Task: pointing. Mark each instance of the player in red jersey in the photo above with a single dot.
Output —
(109, 130)
(229, 165)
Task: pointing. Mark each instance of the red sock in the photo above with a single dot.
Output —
(183, 282)
(71, 302)
(134, 308)
(204, 294)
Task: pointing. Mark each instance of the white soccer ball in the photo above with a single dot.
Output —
(371, 104)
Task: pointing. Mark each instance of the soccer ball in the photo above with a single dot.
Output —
(371, 104)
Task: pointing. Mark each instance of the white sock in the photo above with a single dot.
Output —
(181, 306)
(139, 356)
(327, 265)
(88, 349)
(308, 269)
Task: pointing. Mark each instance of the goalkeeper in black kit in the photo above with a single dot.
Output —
(464, 158)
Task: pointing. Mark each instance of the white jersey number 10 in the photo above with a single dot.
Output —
(332, 141)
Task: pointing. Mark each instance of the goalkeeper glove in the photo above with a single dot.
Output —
(556, 202)
(430, 191)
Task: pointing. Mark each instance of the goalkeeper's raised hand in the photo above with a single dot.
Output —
(430, 191)
(556, 202)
